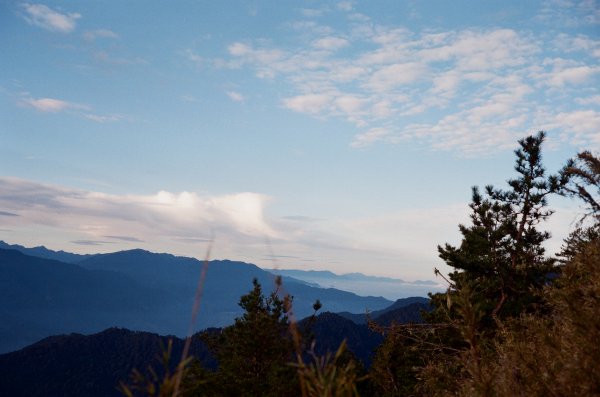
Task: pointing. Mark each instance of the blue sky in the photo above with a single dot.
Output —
(330, 135)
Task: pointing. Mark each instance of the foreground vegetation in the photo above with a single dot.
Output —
(513, 321)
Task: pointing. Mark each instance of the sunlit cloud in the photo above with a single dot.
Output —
(164, 214)
(49, 19)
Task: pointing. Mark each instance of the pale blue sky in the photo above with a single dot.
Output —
(348, 134)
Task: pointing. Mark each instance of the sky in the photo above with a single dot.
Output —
(313, 135)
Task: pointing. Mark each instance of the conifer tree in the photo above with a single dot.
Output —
(254, 353)
(499, 270)
(501, 258)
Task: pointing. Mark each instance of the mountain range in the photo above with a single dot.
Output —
(93, 365)
(389, 288)
(136, 289)
(94, 318)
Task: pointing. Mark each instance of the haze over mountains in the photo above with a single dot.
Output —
(42, 296)
(361, 284)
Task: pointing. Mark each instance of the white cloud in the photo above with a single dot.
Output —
(235, 96)
(162, 215)
(350, 104)
(466, 91)
(105, 57)
(345, 6)
(401, 243)
(391, 76)
(582, 127)
(258, 55)
(192, 56)
(44, 17)
(592, 100)
(369, 137)
(575, 75)
(310, 103)
(581, 43)
(569, 13)
(312, 12)
(103, 118)
(50, 105)
(330, 43)
(92, 35)
(235, 223)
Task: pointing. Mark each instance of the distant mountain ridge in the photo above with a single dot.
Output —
(43, 252)
(405, 310)
(389, 288)
(136, 289)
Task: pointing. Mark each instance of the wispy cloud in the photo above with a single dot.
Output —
(103, 118)
(4, 213)
(570, 13)
(369, 137)
(330, 43)
(90, 242)
(469, 91)
(51, 105)
(126, 238)
(49, 19)
(235, 96)
(91, 35)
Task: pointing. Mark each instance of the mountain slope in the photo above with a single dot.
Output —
(138, 290)
(77, 365)
(41, 297)
(330, 329)
(405, 310)
(92, 365)
(225, 282)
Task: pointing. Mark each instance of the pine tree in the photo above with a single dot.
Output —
(254, 353)
(582, 180)
(499, 271)
(501, 258)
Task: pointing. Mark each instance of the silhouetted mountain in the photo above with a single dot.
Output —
(403, 315)
(138, 290)
(43, 252)
(93, 365)
(77, 365)
(330, 329)
(405, 309)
